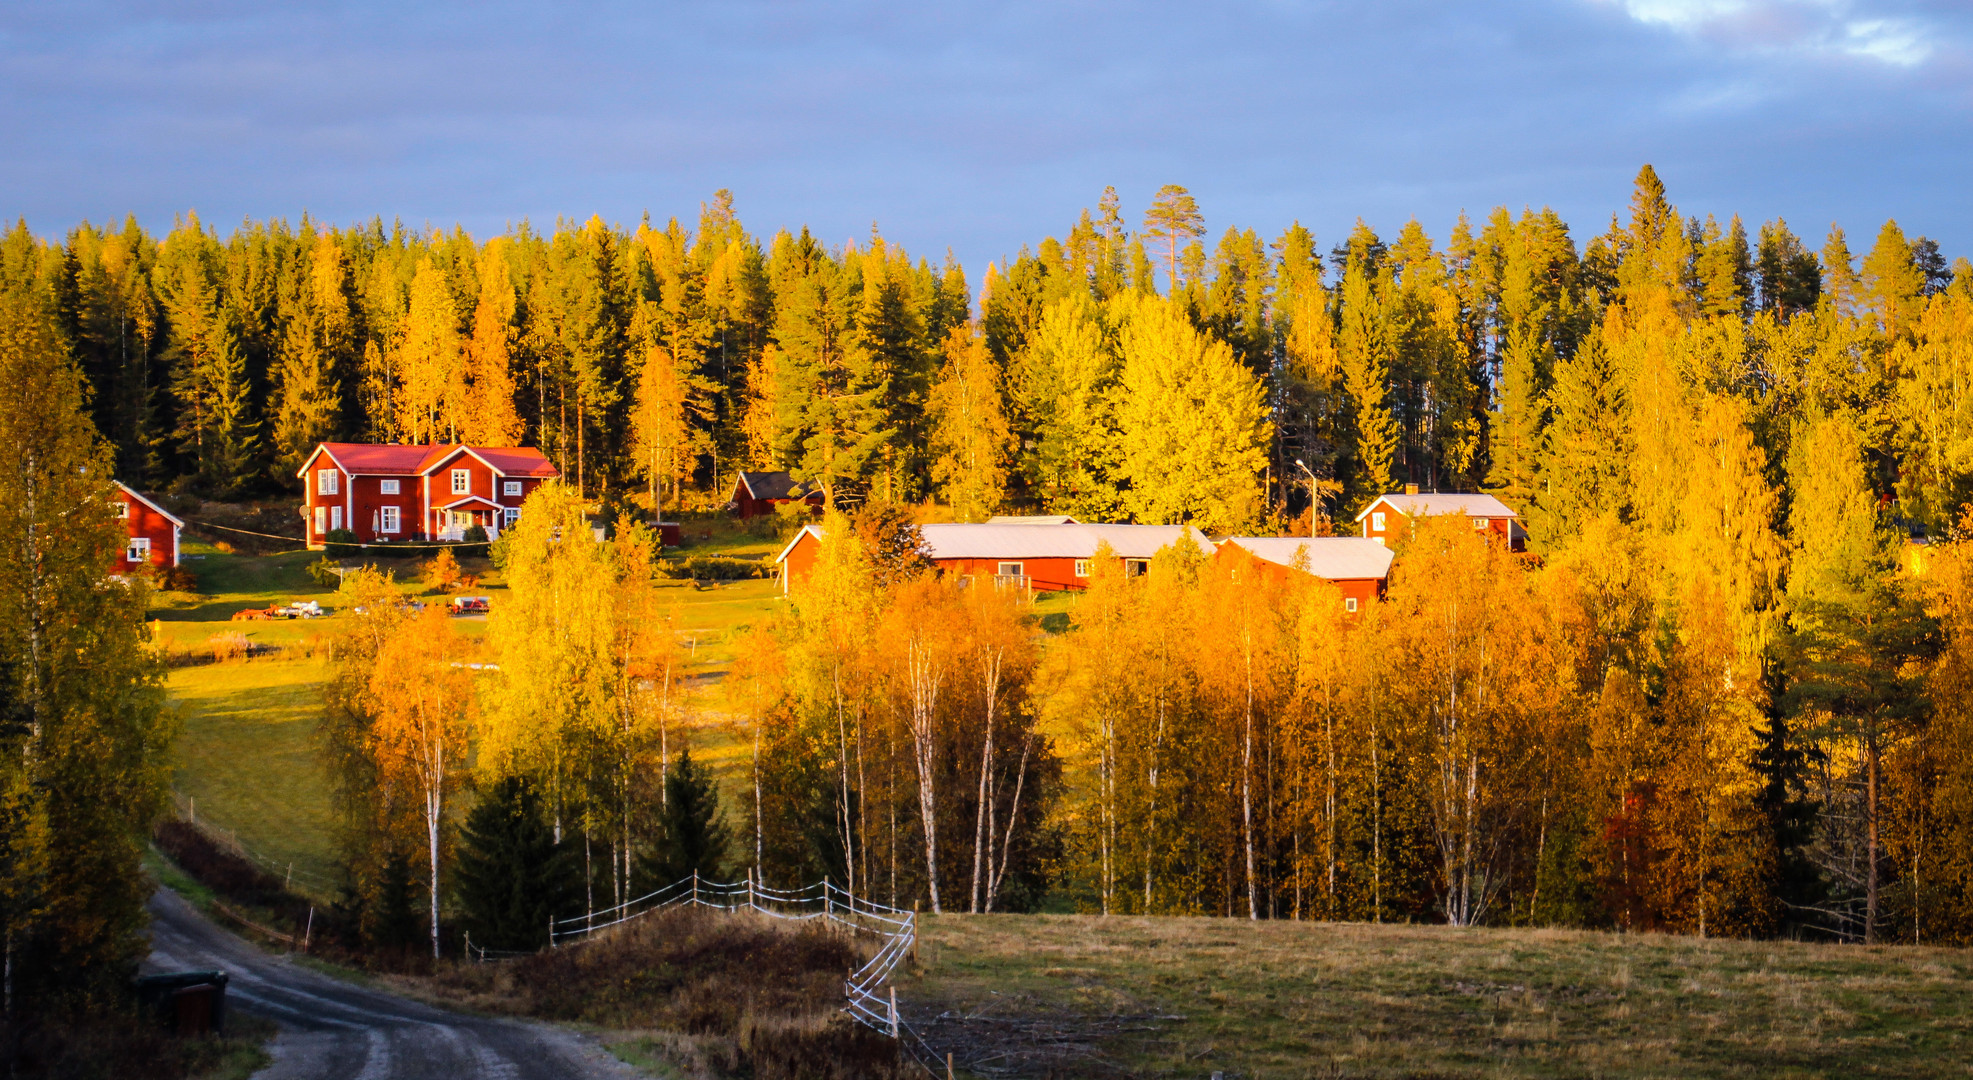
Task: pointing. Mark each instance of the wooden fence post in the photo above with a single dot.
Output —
(894, 1027)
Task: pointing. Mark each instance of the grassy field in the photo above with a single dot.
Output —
(1080, 995)
(246, 756)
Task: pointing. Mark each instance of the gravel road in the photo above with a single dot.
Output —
(333, 1030)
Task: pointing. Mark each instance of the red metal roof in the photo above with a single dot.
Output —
(412, 459)
(516, 460)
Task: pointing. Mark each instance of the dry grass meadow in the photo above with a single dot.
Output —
(1050, 995)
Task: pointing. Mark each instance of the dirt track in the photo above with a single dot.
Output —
(332, 1030)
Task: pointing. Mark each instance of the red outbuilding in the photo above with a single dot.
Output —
(1389, 517)
(153, 531)
(1041, 557)
(397, 492)
(1359, 568)
(758, 493)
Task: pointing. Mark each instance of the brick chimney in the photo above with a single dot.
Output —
(1411, 489)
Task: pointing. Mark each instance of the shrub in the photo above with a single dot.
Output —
(226, 647)
(475, 542)
(442, 572)
(714, 568)
(340, 542)
(177, 579)
(323, 572)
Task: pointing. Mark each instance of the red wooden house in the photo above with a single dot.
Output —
(387, 492)
(1043, 557)
(1389, 517)
(153, 531)
(757, 493)
(1360, 568)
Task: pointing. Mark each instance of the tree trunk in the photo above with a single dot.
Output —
(432, 807)
(1870, 846)
(925, 679)
(1247, 789)
(982, 828)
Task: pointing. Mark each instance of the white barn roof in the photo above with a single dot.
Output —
(1066, 541)
(1332, 558)
(1468, 504)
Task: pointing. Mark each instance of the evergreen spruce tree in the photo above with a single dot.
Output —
(1839, 274)
(1364, 351)
(512, 876)
(1790, 278)
(694, 837)
(1893, 285)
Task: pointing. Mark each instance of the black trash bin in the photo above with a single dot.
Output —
(185, 1002)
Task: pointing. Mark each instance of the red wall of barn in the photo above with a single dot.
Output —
(1397, 525)
(1044, 575)
(146, 522)
(800, 561)
(1364, 591)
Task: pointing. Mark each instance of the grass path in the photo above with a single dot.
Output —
(1292, 1000)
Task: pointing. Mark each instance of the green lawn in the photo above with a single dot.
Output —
(247, 755)
(246, 759)
(1289, 999)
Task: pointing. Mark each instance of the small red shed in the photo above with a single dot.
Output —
(153, 531)
(757, 493)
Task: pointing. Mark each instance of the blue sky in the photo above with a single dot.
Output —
(985, 127)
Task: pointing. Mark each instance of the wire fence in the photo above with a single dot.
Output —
(312, 885)
(868, 998)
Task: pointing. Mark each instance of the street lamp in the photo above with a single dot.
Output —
(1313, 484)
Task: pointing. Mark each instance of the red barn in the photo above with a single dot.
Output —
(1389, 517)
(153, 531)
(1358, 567)
(386, 492)
(757, 493)
(1042, 557)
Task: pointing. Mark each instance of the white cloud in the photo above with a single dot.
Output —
(1810, 27)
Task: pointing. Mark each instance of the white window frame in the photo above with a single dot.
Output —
(335, 518)
(1012, 569)
(1082, 568)
(122, 508)
(1479, 524)
(1377, 521)
(138, 550)
(510, 487)
(393, 520)
(321, 520)
(327, 481)
(1349, 604)
(390, 487)
(1136, 567)
(509, 515)
(462, 481)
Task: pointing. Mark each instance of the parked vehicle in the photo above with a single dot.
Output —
(471, 605)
